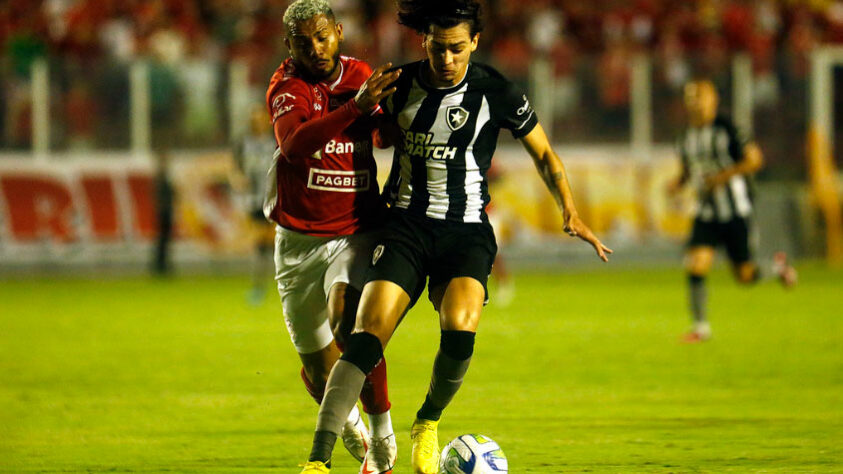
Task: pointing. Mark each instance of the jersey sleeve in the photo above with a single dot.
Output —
(288, 97)
(298, 133)
(512, 110)
(738, 139)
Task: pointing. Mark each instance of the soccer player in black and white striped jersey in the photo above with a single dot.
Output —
(718, 161)
(444, 118)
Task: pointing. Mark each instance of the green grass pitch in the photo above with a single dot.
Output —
(582, 373)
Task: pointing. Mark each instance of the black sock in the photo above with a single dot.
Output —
(698, 297)
(323, 445)
(449, 368)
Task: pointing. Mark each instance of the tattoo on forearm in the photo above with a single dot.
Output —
(551, 179)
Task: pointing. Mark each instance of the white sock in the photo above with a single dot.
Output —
(702, 328)
(353, 415)
(380, 425)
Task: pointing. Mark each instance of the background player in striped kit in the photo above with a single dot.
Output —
(445, 118)
(253, 156)
(323, 195)
(718, 161)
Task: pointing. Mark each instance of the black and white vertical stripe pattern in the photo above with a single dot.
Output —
(449, 137)
(706, 151)
(255, 156)
(448, 188)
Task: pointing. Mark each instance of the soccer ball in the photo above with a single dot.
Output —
(471, 453)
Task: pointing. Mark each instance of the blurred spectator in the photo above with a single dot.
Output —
(190, 43)
(511, 53)
(613, 86)
(80, 110)
(113, 28)
(164, 201)
(199, 81)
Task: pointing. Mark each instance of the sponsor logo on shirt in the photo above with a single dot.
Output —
(418, 144)
(339, 181)
(524, 108)
(278, 104)
(334, 146)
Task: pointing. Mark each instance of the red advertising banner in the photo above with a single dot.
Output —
(103, 208)
(86, 209)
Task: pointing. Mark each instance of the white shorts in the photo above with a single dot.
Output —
(306, 267)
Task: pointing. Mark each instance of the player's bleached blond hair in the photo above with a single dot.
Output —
(303, 10)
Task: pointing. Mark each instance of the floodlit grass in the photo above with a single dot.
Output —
(582, 373)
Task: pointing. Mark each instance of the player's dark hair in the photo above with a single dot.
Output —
(420, 15)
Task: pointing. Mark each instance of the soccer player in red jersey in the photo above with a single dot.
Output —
(323, 195)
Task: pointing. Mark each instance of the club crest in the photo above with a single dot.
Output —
(456, 117)
(376, 255)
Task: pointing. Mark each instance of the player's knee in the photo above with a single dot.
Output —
(376, 325)
(748, 274)
(364, 350)
(698, 263)
(458, 345)
(697, 267)
(462, 320)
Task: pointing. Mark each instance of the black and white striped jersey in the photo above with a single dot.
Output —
(448, 139)
(254, 156)
(707, 150)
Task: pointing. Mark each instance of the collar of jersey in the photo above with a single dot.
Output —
(441, 90)
(337, 80)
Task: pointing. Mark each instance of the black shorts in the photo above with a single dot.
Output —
(257, 215)
(411, 249)
(734, 235)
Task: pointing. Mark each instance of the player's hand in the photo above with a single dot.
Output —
(673, 187)
(575, 227)
(716, 179)
(388, 133)
(375, 88)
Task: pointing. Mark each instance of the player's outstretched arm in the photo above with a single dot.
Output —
(553, 173)
(752, 161)
(300, 136)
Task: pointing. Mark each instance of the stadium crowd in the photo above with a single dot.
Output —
(589, 45)
(516, 29)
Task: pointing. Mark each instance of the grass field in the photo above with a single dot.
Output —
(583, 373)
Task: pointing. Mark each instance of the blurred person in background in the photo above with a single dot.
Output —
(253, 155)
(502, 223)
(718, 161)
(164, 200)
(324, 198)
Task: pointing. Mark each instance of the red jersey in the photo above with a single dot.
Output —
(324, 177)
